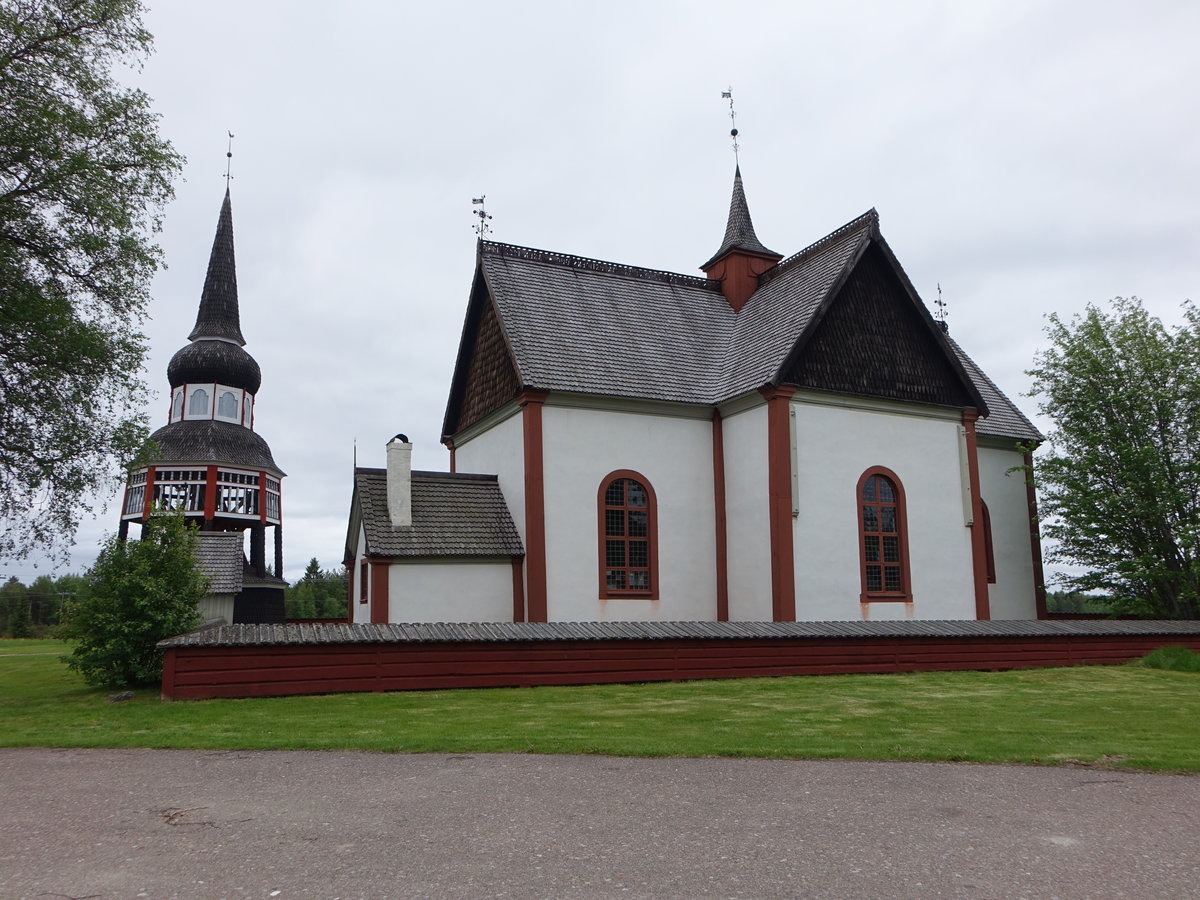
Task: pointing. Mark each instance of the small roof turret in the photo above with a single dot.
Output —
(739, 230)
(218, 317)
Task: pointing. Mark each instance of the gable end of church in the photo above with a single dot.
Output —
(873, 338)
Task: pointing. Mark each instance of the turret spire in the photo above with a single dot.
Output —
(739, 230)
(218, 317)
(742, 256)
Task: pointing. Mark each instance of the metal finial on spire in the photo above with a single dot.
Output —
(941, 312)
(733, 132)
(482, 228)
(228, 157)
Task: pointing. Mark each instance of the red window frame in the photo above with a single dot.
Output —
(872, 521)
(628, 538)
(988, 552)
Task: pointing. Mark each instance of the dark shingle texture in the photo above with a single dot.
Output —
(503, 632)
(583, 325)
(780, 310)
(217, 361)
(1003, 419)
(739, 229)
(454, 515)
(596, 327)
(218, 314)
(209, 441)
(219, 556)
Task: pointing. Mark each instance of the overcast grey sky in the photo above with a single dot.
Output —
(1032, 157)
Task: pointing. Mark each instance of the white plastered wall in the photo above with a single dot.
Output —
(747, 515)
(834, 447)
(1012, 596)
(467, 590)
(217, 606)
(499, 451)
(359, 611)
(580, 448)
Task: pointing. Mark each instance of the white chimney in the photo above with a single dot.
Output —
(399, 481)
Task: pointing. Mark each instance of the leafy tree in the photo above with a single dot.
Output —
(12, 594)
(19, 623)
(139, 592)
(1121, 485)
(83, 180)
(317, 595)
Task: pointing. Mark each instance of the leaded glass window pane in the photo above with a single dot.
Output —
(614, 553)
(638, 522)
(891, 578)
(639, 553)
(870, 518)
(637, 494)
(871, 547)
(639, 581)
(891, 549)
(887, 516)
(615, 495)
(874, 579)
(615, 579)
(614, 522)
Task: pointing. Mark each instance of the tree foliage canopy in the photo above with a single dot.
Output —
(84, 176)
(139, 592)
(1121, 486)
(318, 595)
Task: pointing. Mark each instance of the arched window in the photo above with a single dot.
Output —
(248, 411)
(198, 406)
(628, 531)
(227, 406)
(177, 405)
(989, 553)
(883, 536)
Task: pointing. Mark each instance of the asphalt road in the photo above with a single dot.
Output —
(158, 824)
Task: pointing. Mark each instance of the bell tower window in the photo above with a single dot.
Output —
(227, 406)
(198, 405)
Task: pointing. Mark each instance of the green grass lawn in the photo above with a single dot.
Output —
(1127, 716)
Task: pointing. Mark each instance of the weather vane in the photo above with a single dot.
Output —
(942, 312)
(228, 157)
(733, 132)
(482, 228)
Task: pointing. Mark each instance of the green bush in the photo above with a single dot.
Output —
(138, 593)
(1175, 658)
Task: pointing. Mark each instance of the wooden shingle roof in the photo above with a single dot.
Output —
(453, 515)
(593, 327)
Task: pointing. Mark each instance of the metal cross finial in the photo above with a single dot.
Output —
(733, 132)
(482, 228)
(228, 157)
(941, 312)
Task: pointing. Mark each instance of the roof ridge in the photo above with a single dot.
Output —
(871, 216)
(551, 257)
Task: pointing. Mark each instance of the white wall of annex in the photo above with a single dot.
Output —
(834, 447)
(747, 515)
(1012, 596)
(581, 447)
(359, 612)
(459, 591)
(499, 451)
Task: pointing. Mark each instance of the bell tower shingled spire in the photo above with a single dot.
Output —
(742, 257)
(211, 466)
(218, 318)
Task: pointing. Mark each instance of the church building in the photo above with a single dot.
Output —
(210, 463)
(781, 439)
